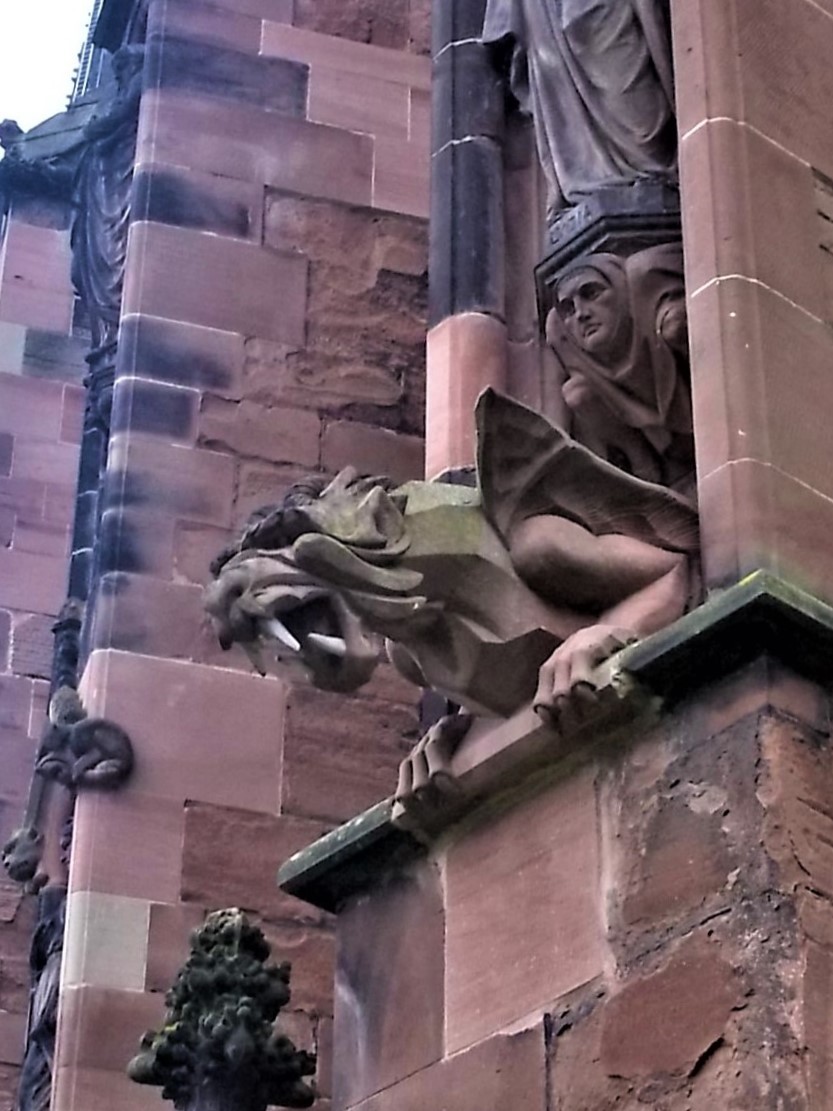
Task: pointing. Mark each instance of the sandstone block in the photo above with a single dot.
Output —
(178, 481)
(156, 409)
(30, 407)
(372, 450)
(401, 176)
(346, 33)
(106, 941)
(101, 1028)
(507, 1071)
(337, 764)
(256, 144)
(181, 271)
(6, 451)
(389, 978)
(231, 858)
(32, 643)
(209, 23)
(12, 1037)
(112, 829)
(182, 354)
(171, 925)
(683, 1009)
(279, 435)
(32, 582)
(504, 962)
(165, 704)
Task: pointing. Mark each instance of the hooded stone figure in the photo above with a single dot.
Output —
(596, 77)
(618, 329)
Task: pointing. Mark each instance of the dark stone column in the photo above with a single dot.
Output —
(467, 252)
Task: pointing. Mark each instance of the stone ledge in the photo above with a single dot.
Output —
(350, 859)
(761, 615)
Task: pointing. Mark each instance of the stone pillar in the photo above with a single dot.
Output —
(754, 88)
(467, 339)
(273, 323)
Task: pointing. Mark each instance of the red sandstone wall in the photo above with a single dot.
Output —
(649, 928)
(273, 324)
(41, 401)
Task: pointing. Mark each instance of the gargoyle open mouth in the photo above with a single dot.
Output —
(278, 612)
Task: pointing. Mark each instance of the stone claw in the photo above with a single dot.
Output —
(426, 785)
(568, 689)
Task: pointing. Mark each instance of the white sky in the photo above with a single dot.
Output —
(39, 45)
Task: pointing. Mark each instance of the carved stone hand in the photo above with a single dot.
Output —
(567, 692)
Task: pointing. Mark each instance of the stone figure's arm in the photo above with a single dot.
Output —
(633, 589)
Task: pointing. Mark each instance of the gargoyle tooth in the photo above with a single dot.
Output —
(336, 646)
(278, 630)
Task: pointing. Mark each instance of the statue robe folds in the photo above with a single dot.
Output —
(596, 77)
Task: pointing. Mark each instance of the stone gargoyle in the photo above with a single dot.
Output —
(495, 596)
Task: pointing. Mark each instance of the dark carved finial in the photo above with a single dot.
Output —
(218, 1049)
(10, 130)
(21, 855)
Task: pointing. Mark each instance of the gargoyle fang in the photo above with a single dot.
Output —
(335, 646)
(278, 630)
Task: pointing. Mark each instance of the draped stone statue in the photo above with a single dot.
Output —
(618, 328)
(99, 234)
(596, 77)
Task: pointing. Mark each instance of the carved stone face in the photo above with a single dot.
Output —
(593, 315)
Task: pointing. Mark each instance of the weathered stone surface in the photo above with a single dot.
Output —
(262, 146)
(360, 20)
(260, 483)
(315, 380)
(161, 703)
(231, 858)
(195, 546)
(142, 828)
(174, 480)
(143, 614)
(681, 858)
(375, 451)
(101, 1028)
(205, 202)
(337, 764)
(204, 67)
(30, 407)
(169, 412)
(507, 1071)
(181, 281)
(366, 310)
(5, 638)
(311, 952)
(543, 937)
(359, 102)
(32, 646)
(279, 435)
(182, 354)
(796, 792)
(389, 979)
(49, 538)
(6, 451)
(168, 933)
(683, 1009)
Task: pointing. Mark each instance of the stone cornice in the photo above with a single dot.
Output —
(760, 616)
